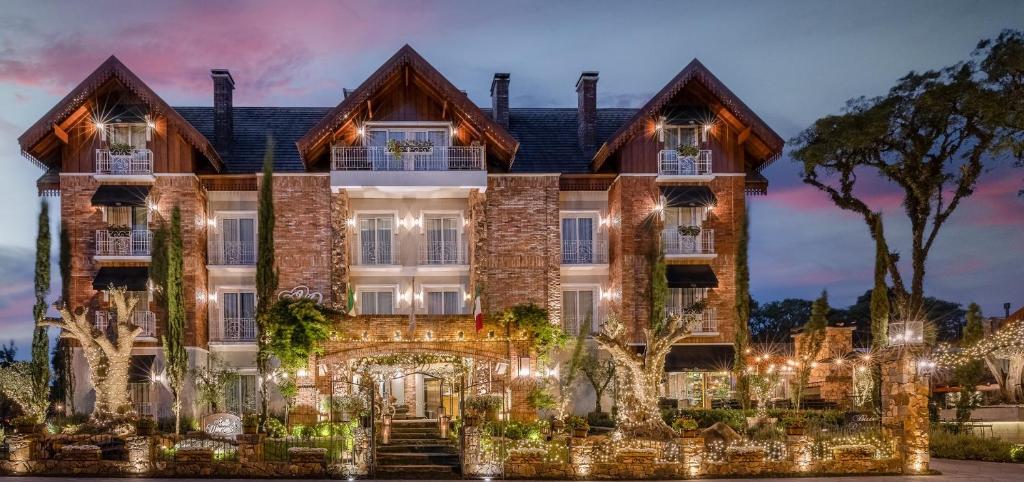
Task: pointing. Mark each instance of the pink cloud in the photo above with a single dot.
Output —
(995, 202)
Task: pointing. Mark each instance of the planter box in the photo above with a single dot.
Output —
(195, 454)
(80, 452)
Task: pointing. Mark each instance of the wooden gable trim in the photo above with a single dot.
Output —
(73, 105)
(727, 99)
(400, 65)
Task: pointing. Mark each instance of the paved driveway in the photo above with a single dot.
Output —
(953, 470)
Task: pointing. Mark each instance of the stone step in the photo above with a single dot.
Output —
(417, 448)
(417, 458)
(414, 422)
(396, 429)
(413, 471)
(414, 435)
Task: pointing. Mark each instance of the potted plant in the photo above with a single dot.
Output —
(687, 151)
(250, 424)
(145, 426)
(578, 425)
(485, 405)
(689, 230)
(795, 424)
(687, 426)
(688, 237)
(120, 149)
(394, 147)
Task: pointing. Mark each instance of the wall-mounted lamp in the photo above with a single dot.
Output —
(302, 373)
(102, 129)
(524, 367)
(361, 131)
(660, 128)
(659, 207)
(149, 128)
(351, 222)
(212, 297)
(211, 222)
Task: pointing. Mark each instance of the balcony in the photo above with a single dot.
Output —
(371, 253)
(139, 162)
(585, 251)
(677, 244)
(458, 168)
(708, 325)
(670, 163)
(117, 243)
(442, 253)
(232, 253)
(234, 330)
(105, 321)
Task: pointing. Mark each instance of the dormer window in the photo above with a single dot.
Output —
(676, 136)
(133, 135)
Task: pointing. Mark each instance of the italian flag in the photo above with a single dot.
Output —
(351, 302)
(478, 313)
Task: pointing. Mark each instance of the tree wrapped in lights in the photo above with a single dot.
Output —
(810, 345)
(17, 383)
(108, 356)
(1005, 344)
(638, 375)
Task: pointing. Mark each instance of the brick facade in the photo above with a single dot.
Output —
(633, 235)
(303, 232)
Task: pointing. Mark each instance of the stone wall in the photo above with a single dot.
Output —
(339, 253)
(905, 406)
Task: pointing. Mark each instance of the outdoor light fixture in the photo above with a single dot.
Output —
(906, 333)
(302, 372)
(211, 222)
(659, 207)
(102, 129)
(351, 222)
(149, 128)
(361, 131)
(524, 367)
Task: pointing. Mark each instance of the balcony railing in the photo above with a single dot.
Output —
(105, 321)
(585, 251)
(571, 326)
(441, 253)
(111, 242)
(371, 252)
(455, 158)
(138, 162)
(708, 319)
(237, 330)
(232, 253)
(684, 244)
(670, 163)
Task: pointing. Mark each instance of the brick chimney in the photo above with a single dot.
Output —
(499, 98)
(223, 125)
(586, 89)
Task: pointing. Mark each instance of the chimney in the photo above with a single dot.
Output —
(223, 125)
(586, 89)
(499, 98)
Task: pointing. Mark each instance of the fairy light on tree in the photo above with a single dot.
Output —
(109, 357)
(1005, 344)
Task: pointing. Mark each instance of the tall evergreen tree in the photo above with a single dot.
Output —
(879, 312)
(40, 337)
(266, 277)
(969, 374)
(811, 343)
(63, 371)
(175, 356)
(742, 340)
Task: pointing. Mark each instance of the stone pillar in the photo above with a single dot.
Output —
(20, 446)
(339, 255)
(140, 453)
(905, 407)
(409, 393)
(250, 447)
(581, 457)
(799, 449)
(692, 451)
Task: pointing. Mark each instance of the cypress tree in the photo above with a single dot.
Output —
(811, 344)
(879, 312)
(63, 373)
(266, 276)
(742, 339)
(969, 374)
(40, 336)
(175, 356)
(659, 289)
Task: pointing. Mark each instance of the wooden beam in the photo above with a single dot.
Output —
(369, 108)
(444, 110)
(60, 133)
(743, 136)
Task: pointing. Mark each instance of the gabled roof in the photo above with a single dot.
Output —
(113, 68)
(693, 71)
(406, 56)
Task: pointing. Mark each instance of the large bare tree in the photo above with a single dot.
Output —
(108, 352)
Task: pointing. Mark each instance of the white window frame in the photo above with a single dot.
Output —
(360, 289)
(233, 289)
(681, 127)
(596, 290)
(376, 213)
(406, 127)
(109, 132)
(428, 288)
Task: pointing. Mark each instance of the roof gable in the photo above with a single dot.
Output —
(112, 68)
(406, 58)
(694, 71)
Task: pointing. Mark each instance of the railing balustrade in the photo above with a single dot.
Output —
(708, 318)
(676, 243)
(111, 242)
(232, 253)
(670, 163)
(138, 162)
(234, 329)
(105, 320)
(378, 158)
(374, 251)
(585, 251)
(434, 253)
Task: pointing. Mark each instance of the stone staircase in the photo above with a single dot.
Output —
(416, 451)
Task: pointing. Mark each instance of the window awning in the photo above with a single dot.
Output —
(700, 358)
(141, 370)
(134, 278)
(688, 196)
(120, 195)
(690, 276)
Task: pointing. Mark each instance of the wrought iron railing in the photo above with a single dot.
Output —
(232, 253)
(234, 329)
(708, 318)
(375, 251)
(439, 253)
(676, 243)
(377, 158)
(138, 162)
(585, 251)
(670, 163)
(105, 320)
(110, 242)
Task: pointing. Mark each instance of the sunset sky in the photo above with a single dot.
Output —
(791, 62)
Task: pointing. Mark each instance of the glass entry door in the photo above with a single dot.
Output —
(442, 243)
(376, 238)
(578, 240)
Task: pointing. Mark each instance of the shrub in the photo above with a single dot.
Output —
(948, 445)
(514, 430)
(275, 428)
(604, 420)
(540, 399)
(684, 423)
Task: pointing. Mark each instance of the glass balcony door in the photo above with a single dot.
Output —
(443, 303)
(433, 158)
(578, 311)
(376, 236)
(578, 240)
(676, 136)
(442, 240)
(239, 316)
(238, 241)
